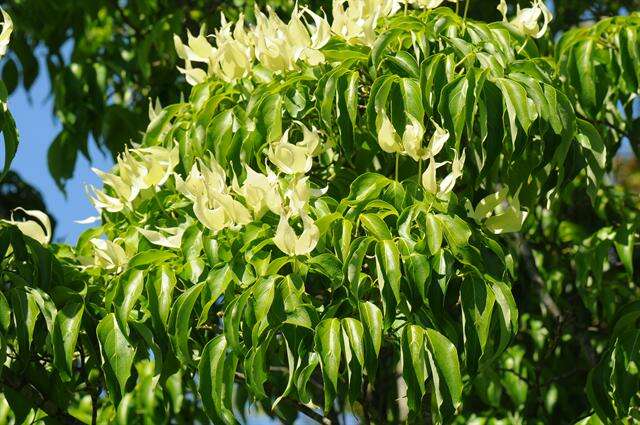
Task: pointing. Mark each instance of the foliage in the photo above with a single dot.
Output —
(105, 59)
(402, 214)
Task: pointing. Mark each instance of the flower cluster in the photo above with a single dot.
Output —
(276, 45)
(280, 46)
(217, 204)
(527, 20)
(137, 170)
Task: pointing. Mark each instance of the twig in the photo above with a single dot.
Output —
(34, 397)
(306, 410)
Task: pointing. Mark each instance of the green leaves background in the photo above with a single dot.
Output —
(402, 287)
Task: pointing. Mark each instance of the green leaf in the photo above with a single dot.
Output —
(372, 321)
(518, 105)
(455, 98)
(211, 371)
(65, 334)
(375, 226)
(433, 233)
(388, 262)
(477, 301)
(353, 331)
(9, 136)
(329, 345)
(215, 284)
(61, 157)
(160, 294)
(180, 321)
(150, 256)
(445, 370)
(130, 287)
(366, 187)
(25, 314)
(456, 231)
(117, 352)
(414, 366)
(624, 242)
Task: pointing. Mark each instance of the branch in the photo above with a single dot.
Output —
(306, 410)
(534, 275)
(34, 397)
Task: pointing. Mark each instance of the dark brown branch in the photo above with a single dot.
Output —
(33, 396)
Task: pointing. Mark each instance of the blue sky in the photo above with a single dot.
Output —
(37, 128)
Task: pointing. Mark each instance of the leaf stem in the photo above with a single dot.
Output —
(397, 165)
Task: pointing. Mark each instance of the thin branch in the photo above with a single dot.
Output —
(534, 275)
(302, 408)
(34, 397)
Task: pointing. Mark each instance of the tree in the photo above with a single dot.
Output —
(106, 61)
(397, 212)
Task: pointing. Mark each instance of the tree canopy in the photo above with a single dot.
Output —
(394, 210)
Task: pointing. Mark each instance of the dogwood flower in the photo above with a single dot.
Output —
(260, 192)
(288, 242)
(203, 181)
(109, 255)
(412, 139)
(447, 184)
(388, 138)
(38, 229)
(437, 141)
(213, 219)
(102, 201)
(5, 35)
(429, 181)
(426, 4)
(168, 237)
(290, 158)
(234, 53)
(526, 21)
(357, 23)
(279, 46)
(235, 212)
(159, 163)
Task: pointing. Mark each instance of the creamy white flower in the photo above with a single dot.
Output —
(159, 163)
(102, 201)
(429, 181)
(288, 242)
(168, 237)
(109, 255)
(437, 141)
(236, 213)
(38, 229)
(213, 219)
(412, 139)
(388, 138)
(290, 158)
(447, 184)
(202, 181)
(136, 170)
(426, 4)
(260, 192)
(5, 35)
(527, 20)
(357, 23)
(298, 194)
